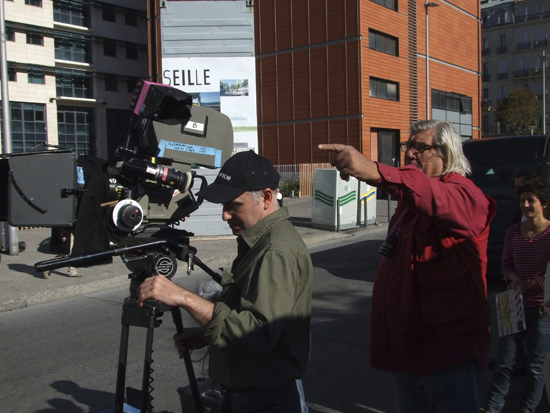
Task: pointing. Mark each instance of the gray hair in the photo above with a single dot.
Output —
(449, 145)
(256, 195)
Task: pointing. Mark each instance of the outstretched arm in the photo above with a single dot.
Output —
(350, 162)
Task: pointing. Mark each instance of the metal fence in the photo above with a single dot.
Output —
(288, 172)
(301, 172)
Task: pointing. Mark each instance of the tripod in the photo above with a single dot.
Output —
(160, 260)
(148, 317)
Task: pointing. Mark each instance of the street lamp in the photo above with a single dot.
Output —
(12, 237)
(427, 6)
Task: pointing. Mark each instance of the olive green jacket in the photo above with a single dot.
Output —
(260, 333)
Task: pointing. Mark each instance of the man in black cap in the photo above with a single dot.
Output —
(259, 328)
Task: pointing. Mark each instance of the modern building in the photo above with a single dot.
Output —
(360, 72)
(514, 43)
(72, 68)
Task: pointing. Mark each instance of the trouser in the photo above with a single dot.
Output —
(286, 399)
(536, 341)
(456, 389)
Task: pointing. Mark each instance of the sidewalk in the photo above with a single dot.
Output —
(22, 286)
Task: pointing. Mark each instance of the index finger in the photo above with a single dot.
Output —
(334, 147)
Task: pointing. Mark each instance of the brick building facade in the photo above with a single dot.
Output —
(356, 72)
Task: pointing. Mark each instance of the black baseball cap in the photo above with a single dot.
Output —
(244, 171)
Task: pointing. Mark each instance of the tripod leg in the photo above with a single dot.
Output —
(148, 360)
(176, 317)
(121, 373)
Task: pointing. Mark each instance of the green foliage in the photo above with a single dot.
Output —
(518, 111)
(288, 185)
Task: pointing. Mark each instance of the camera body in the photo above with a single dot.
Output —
(150, 183)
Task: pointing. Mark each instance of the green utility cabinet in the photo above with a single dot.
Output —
(334, 201)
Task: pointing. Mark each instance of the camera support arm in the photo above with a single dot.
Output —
(183, 253)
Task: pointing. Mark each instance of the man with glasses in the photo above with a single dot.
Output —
(430, 316)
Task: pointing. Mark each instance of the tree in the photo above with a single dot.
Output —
(519, 110)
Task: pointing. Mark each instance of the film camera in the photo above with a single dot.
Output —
(130, 203)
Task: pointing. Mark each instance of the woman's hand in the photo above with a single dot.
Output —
(514, 281)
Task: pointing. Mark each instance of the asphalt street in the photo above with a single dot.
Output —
(60, 336)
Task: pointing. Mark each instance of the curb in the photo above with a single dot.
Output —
(91, 287)
(310, 238)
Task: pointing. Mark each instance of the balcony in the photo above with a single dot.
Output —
(485, 52)
(486, 77)
(502, 76)
(532, 17)
(524, 46)
(539, 44)
(535, 71)
(502, 49)
(486, 103)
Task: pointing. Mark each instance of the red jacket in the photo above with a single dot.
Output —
(429, 308)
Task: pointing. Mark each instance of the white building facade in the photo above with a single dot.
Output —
(72, 69)
(514, 38)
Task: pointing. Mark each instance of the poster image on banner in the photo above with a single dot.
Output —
(225, 84)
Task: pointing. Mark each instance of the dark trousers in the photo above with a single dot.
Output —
(282, 400)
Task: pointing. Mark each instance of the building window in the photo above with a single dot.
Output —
(111, 83)
(109, 47)
(10, 35)
(485, 72)
(73, 83)
(75, 129)
(12, 75)
(454, 102)
(383, 42)
(485, 124)
(131, 83)
(35, 75)
(130, 17)
(37, 3)
(34, 38)
(132, 51)
(390, 4)
(28, 125)
(109, 13)
(71, 13)
(74, 49)
(384, 89)
(465, 104)
(485, 51)
(502, 48)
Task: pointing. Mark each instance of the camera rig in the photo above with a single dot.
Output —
(130, 205)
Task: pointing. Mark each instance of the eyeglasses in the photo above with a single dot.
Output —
(418, 147)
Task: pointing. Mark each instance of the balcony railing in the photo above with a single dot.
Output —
(502, 49)
(486, 77)
(486, 103)
(535, 71)
(524, 46)
(541, 43)
(503, 75)
(532, 17)
(485, 52)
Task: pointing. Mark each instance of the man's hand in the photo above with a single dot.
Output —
(350, 162)
(190, 339)
(162, 289)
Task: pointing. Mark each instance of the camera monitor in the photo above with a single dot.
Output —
(35, 188)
